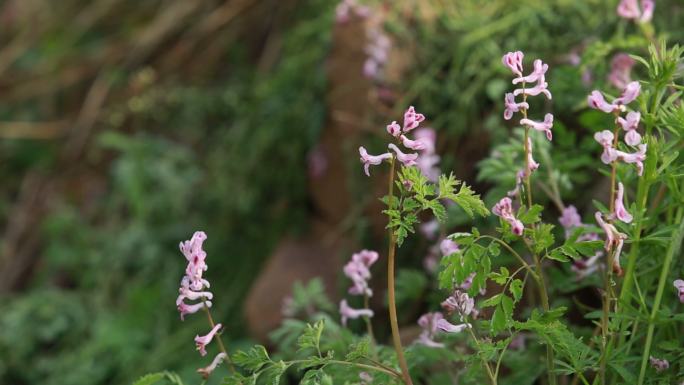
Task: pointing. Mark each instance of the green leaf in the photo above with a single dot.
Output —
(557, 255)
(533, 215)
(311, 338)
(410, 285)
(253, 359)
(542, 237)
(150, 379)
(516, 289)
(498, 322)
(273, 373)
(492, 301)
(359, 350)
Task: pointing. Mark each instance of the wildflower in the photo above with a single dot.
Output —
(345, 8)
(428, 322)
(428, 159)
(658, 364)
(540, 88)
(205, 372)
(504, 209)
(186, 309)
(203, 341)
(518, 342)
(366, 257)
(598, 102)
(531, 163)
(347, 312)
(620, 70)
(448, 327)
(192, 250)
(630, 93)
(459, 302)
(605, 139)
(448, 247)
(518, 183)
(621, 212)
(429, 229)
(585, 267)
(366, 379)
(679, 284)
(406, 159)
(614, 239)
(630, 124)
(512, 106)
(369, 160)
(412, 119)
(629, 9)
(538, 73)
(513, 60)
(417, 144)
(570, 219)
(394, 129)
(428, 137)
(637, 158)
(359, 275)
(377, 49)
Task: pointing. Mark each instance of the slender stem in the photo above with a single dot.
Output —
(510, 249)
(490, 374)
(394, 323)
(671, 252)
(355, 364)
(369, 326)
(222, 347)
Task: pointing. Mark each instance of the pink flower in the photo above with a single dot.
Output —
(448, 247)
(394, 129)
(417, 144)
(659, 364)
(629, 94)
(185, 309)
(531, 163)
(406, 159)
(205, 372)
(192, 250)
(448, 327)
(429, 229)
(614, 239)
(349, 313)
(570, 218)
(203, 341)
(544, 126)
(366, 257)
(366, 378)
(679, 285)
(585, 267)
(620, 70)
(538, 74)
(513, 60)
(459, 302)
(428, 322)
(598, 102)
(637, 158)
(630, 125)
(369, 160)
(540, 88)
(605, 138)
(621, 212)
(359, 275)
(412, 119)
(504, 209)
(428, 137)
(629, 9)
(512, 106)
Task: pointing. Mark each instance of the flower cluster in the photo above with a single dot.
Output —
(358, 270)
(614, 240)
(629, 124)
(428, 160)
(629, 9)
(659, 364)
(432, 323)
(422, 142)
(346, 8)
(192, 288)
(461, 303)
(620, 70)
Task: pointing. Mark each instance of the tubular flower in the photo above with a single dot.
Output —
(540, 88)
(598, 102)
(394, 129)
(513, 60)
(659, 364)
(374, 160)
(459, 302)
(448, 247)
(629, 9)
(539, 70)
(620, 70)
(512, 106)
(428, 322)
(358, 270)
(630, 93)
(377, 48)
(621, 212)
(585, 267)
(205, 372)
(428, 160)
(412, 119)
(417, 144)
(192, 283)
(347, 312)
(186, 309)
(531, 163)
(448, 327)
(614, 239)
(405, 159)
(630, 124)
(504, 209)
(203, 341)
(605, 139)
(570, 218)
(679, 285)
(637, 158)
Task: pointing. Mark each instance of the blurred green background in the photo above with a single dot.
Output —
(127, 125)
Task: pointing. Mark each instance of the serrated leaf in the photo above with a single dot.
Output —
(359, 350)
(542, 237)
(311, 338)
(516, 289)
(533, 215)
(253, 359)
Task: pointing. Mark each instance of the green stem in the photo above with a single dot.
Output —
(490, 374)
(355, 364)
(222, 347)
(664, 272)
(394, 323)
